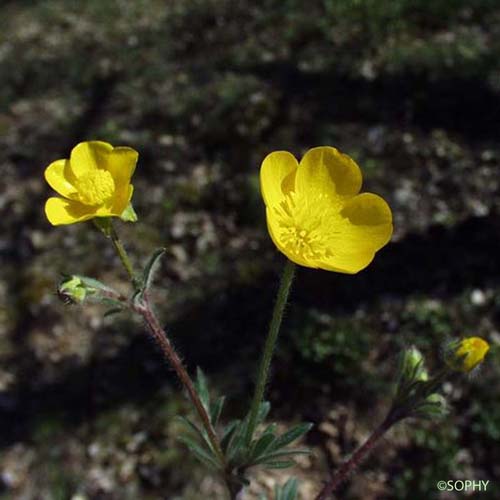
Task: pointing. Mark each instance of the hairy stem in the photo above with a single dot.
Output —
(173, 358)
(350, 465)
(144, 309)
(272, 336)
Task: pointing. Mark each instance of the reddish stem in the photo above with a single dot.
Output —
(171, 355)
(350, 465)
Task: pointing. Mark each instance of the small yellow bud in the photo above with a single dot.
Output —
(469, 353)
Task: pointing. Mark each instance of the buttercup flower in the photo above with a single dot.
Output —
(94, 182)
(469, 353)
(315, 214)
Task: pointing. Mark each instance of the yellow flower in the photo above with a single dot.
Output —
(315, 215)
(94, 182)
(469, 353)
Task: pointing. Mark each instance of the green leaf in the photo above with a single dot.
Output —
(280, 464)
(291, 435)
(216, 410)
(93, 283)
(228, 434)
(271, 428)
(112, 311)
(262, 445)
(201, 386)
(151, 268)
(235, 445)
(192, 427)
(281, 454)
(262, 413)
(264, 409)
(290, 489)
(129, 215)
(202, 455)
(106, 301)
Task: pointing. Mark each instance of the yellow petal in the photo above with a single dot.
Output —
(325, 171)
(371, 219)
(88, 156)
(122, 197)
(471, 352)
(60, 211)
(121, 164)
(365, 227)
(55, 176)
(276, 167)
(347, 260)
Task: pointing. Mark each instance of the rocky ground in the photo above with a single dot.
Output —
(204, 90)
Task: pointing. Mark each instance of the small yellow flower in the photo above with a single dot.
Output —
(469, 353)
(315, 214)
(94, 182)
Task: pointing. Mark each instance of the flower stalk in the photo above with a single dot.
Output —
(272, 336)
(123, 255)
(144, 309)
(416, 396)
(350, 465)
(160, 337)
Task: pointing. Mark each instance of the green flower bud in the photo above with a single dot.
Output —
(72, 290)
(413, 367)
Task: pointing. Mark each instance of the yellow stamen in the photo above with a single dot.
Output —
(96, 188)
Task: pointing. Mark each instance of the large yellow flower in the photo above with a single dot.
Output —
(315, 215)
(94, 182)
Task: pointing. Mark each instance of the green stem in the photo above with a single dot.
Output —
(272, 336)
(122, 253)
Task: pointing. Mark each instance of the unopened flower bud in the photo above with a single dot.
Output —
(73, 290)
(465, 355)
(413, 367)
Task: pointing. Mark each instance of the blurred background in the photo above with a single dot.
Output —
(204, 89)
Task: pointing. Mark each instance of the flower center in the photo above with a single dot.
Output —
(96, 187)
(301, 231)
